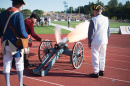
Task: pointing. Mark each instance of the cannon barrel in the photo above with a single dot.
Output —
(61, 44)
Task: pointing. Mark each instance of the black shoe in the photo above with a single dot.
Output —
(13, 62)
(28, 65)
(94, 75)
(101, 73)
(24, 85)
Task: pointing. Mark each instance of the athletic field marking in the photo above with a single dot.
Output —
(118, 55)
(71, 72)
(116, 50)
(105, 66)
(116, 79)
(50, 28)
(91, 64)
(90, 51)
(112, 60)
(87, 48)
(106, 59)
(67, 23)
(112, 67)
(37, 79)
(109, 46)
(87, 74)
(106, 53)
(118, 60)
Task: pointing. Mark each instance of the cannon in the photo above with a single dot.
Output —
(48, 55)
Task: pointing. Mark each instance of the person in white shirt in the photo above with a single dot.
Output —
(98, 34)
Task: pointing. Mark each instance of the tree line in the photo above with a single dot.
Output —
(27, 13)
(114, 10)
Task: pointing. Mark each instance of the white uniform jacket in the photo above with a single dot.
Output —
(99, 30)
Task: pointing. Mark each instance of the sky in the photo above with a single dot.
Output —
(52, 5)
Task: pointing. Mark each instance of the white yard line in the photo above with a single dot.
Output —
(112, 67)
(61, 26)
(106, 66)
(113, 79)
(106, 53)
(50, 28)
(37, 79)
(87, 74)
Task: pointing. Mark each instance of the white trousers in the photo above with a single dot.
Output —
(26, 50)
(98, 55)
(7, 61)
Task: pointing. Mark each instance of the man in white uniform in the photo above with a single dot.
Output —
(98, 34)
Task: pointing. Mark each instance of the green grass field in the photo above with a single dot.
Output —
(50, 29)
(74, 23)
(118, 24)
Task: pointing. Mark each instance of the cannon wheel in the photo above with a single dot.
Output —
(77, 55)
(44, 49)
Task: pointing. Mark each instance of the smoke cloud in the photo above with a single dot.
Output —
(58, 34)
(79, 33)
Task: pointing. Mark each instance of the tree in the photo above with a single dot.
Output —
(127, 4)
(127, 10)
(99, 3)
(26, 13)
(71, 10)
(120, 5)
(79, 9)
(2, 9)
(38, 12)
(113, 3)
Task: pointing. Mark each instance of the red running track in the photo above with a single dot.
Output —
(117, 71)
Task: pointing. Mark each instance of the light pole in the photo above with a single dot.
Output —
(79, 10)
(71, 11)
(65, 6)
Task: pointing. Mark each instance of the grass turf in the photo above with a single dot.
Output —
(50, 29)
(74, 23)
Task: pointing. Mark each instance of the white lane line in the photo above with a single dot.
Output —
(118, 60)
(87, 74)
(105, 66)
(118, 55)
(116, 79)
(50, 28)
(110, 47)
(116, 50)
(113, 54)
(110, 59)
(71, 72)
(112, 67)
(37, 79)
(106, 53)
(118, 47)
(89, 51)
(106, 59)
(44, 81)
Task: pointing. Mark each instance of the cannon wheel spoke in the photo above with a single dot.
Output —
(77, 55)
(43, 49)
